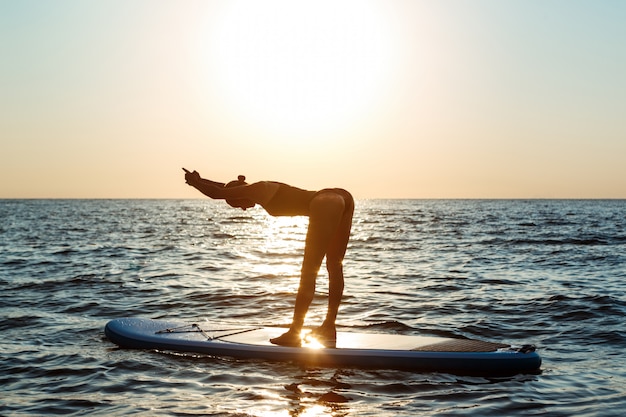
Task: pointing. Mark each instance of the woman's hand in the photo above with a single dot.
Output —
(192, 178)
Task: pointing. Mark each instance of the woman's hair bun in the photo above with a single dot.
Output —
(241, 180)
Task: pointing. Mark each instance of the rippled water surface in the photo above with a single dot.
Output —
(550, 273)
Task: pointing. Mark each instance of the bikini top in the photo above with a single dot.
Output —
(289, 201)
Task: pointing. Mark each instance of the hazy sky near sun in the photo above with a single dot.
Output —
(386, 98)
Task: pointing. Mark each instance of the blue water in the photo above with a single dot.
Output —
(550, 273)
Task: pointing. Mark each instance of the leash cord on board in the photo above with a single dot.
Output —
(204, 333)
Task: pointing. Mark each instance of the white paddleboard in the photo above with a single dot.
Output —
(352, 349)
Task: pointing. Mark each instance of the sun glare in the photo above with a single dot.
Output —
(300, 67)
(309, 341)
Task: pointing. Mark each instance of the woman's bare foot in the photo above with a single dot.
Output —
(290, 338)
(326, 335)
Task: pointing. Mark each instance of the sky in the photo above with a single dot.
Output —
(385, 98)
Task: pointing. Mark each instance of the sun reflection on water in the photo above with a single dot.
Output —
(285, 232)
(313, 410)
(316, 410)
(281, 248)
(304, 408)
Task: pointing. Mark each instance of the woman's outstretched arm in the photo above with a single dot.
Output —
(259, 192)
(212, 189)
(195, 177)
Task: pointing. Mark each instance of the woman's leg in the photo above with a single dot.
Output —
(334, 265)
(327, 212)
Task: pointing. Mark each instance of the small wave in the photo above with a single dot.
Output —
(13, 323)
(15, 262)
(567, 241)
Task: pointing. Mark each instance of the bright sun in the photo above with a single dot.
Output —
(301, 67)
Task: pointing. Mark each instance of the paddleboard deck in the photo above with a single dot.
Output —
(352, 349)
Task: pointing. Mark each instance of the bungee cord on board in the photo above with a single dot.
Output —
(198, 329)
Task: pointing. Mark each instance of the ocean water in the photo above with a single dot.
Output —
(545, 272)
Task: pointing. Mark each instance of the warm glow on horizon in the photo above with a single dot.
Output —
(385, 98)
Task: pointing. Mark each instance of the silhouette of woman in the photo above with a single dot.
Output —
(330, 219)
